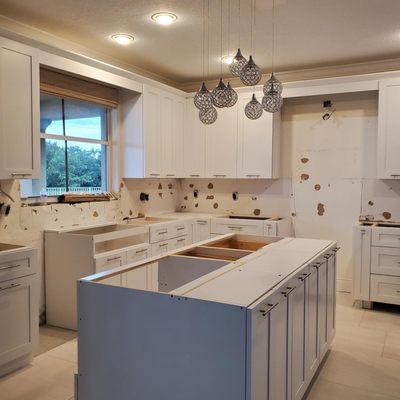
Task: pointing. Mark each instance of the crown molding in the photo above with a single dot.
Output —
(307, 74)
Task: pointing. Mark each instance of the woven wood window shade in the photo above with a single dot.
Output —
(58, 84)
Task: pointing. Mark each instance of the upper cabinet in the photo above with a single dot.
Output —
(19, 111)
(221, 144)
(152, 129)
(258, 143)
(389, 129)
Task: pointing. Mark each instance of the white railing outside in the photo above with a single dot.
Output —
(57, 191)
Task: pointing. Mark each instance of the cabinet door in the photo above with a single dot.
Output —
(18, 316)
(19, 111)
(270, 228)
(298, 331)
(194, 142)
(312, 345)
(362, 263)
(151, 128)
(331, 297)
(137, 278)
(221, 144)
(258, 143)
(201, 230)
(385, 289)
(179, 131)
(167, 136)
(226, 225)
(323, 309)
(388, 129)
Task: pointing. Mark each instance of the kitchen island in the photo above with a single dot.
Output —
(234, 317)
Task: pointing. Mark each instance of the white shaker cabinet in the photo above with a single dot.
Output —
(19, 111)
(221, 144)
(258, 143)
(194, 141)
(388, 129)
(201, 229)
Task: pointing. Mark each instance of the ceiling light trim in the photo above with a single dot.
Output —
(164, 18)
(123, 38)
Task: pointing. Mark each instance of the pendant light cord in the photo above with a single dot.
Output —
(252, 24)
(221, 42)
(203, 40)
(273, 35)
(208, 37)
(239, 26)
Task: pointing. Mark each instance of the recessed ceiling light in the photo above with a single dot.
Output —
(164, 18)
(227, 59)
(122, 38)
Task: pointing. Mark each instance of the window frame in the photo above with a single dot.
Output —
(65, 138)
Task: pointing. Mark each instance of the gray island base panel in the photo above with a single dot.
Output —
(238, 317)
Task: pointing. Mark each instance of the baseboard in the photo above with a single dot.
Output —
(344, 285)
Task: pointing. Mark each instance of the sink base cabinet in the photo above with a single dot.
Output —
(196, 349)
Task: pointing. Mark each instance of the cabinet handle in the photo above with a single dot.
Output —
(221, 175)
(268, 309)
(236, 227)
(13, 285)
(154, 174)
(140, 251)
(181, 240)
(394, 175)
(327, 256)
(10, 266)
(317, 265)
(180, 228)
(194, 175)
(17, 174)
(304, 277)
(161, 233)
(163, 245)
(170, 175)
(338, 248)
(114, 258)
(250, 175)
(201, 222)
(290, 290)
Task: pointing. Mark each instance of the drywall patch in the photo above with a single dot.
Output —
(169, 186)
(317, 187)
(191, 185)
(210, 197)
(256, 211)
(185, 198)
(304, 177)
(210, 186)
(387, 215)
(370, 203)
(304, 160)
(320, 209)
(196, 205)
(95, 214)
(130, 213)
(215, 205)
(159, 186)
(160, 194)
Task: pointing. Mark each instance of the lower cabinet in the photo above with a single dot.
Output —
(201, 229)
(19, 313)
(291, 332)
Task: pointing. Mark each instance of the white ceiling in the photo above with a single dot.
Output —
(310, 33)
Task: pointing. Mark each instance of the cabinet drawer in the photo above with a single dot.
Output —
(15, 265)
(178, 229)
(160, 248)
(270, 228)
(385, 289)
(159, 233)
(178, 242)
(110, 262)
(385, 261)
(387, 237)
(223, 225)
(137, 254)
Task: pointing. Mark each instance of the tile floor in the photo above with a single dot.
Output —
(364, 363)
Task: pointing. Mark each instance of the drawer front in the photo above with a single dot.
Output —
(270, 228)
(178, 229)
(229, 226)
(178, 242)
(111, 261)
(16, 265)
(385, 261)
(201, 230)
(387, 237)
(137, 254)
(385, 289)
(159, 233)
(160, 248)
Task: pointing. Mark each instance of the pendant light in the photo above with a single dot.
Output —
(253, 109)
(221, 96)
(238, 61)
(272, 100)
(234, 96)
(232, 93)
(208, 116)
(251, 73)
(202, 99)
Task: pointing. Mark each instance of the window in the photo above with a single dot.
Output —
(74, 147)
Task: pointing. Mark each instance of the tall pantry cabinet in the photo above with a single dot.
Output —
(19, 111)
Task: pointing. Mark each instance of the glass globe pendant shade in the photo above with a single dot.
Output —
(272, 84)
(237, 64)
(202, 99)
(253, 109)
(234, 96)
(208, 116)
(221, 95)
(251, 73)
(272, 101)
